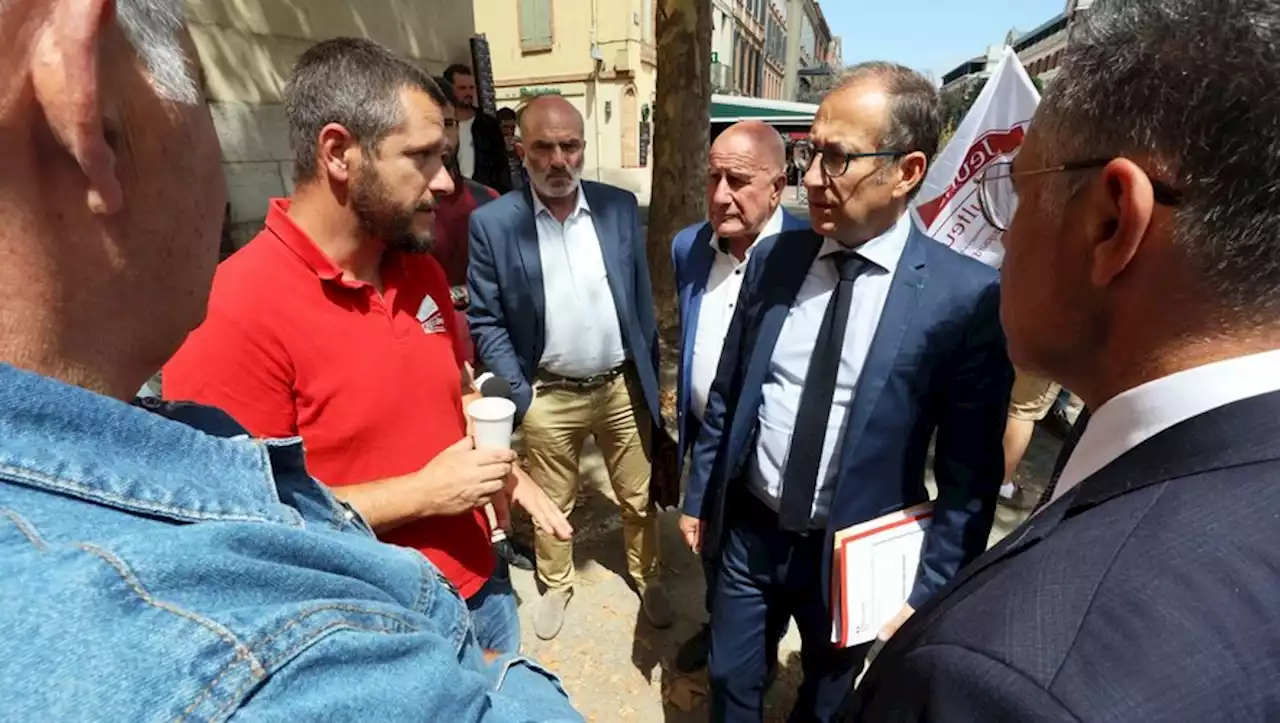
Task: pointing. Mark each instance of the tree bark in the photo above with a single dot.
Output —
(681, 140)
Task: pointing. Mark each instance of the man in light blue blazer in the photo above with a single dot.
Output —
(745, 182)
(562, 308)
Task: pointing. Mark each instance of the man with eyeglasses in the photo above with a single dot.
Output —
(1147, 279)
(854, 345)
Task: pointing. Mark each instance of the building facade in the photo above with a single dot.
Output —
(818, 62)
(750, 17)
(247, 50)
(724, 27)
(775, 51)
(598, 54)
(1040, 50)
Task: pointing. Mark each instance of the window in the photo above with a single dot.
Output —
(647, 20)
(535, 25)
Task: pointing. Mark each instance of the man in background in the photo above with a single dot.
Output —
(155, 562)
(453, 214)
(1142, 271)
(482, 154)
(334, 324)
(562, 308)
(745, 181)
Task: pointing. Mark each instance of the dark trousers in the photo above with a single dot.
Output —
(766, 576)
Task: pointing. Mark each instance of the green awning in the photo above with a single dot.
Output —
(731, 109)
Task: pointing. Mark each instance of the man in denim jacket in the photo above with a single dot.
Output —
(155, 562)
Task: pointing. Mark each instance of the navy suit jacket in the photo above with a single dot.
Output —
(937, 364)
(692, 257)
(508, 303)
(1146, 593)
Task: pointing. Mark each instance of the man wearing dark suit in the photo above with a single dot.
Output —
(1148, 281)
(745, 183)
(482, 149)
(853, 346)
(562, 307)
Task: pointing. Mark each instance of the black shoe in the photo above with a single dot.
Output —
(512, 555)
(693, 653)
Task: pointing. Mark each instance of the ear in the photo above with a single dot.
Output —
(913, 168)
(336, 152)
(65, 78)
(1120, 218)
(779, 185)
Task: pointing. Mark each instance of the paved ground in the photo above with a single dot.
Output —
(614, 665)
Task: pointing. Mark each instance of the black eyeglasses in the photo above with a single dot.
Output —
(834, 162)
(999, 199)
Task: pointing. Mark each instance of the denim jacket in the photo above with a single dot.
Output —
(156, 564)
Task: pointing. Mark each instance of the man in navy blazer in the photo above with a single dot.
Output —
(746, 177)
(562, 308)
(854, 346)
(1141, 270)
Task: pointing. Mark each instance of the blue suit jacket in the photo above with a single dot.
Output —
(692, 257)
(508, 302)
(937, 364)
(1145, 593)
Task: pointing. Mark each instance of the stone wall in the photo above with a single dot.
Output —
(246, 49)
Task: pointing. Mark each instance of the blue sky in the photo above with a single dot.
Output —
(930, 35)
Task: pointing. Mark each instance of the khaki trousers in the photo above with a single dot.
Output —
(555, 427)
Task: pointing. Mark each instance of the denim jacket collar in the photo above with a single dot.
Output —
(71, 441)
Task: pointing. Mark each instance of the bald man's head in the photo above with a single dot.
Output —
(760, 139)
(552, 131)
(746, 174)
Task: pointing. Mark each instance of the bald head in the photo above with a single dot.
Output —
(549, 109)
(552, 131)
(746, 173)
(760, 141)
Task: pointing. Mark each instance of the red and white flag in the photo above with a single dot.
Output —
(992, 131)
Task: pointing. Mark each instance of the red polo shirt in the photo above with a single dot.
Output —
(370, 381)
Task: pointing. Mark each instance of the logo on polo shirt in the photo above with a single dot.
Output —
(430, 316)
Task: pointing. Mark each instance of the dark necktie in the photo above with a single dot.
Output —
(800, 474)
(1068, 447)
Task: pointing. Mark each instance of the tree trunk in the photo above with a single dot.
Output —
(681, 139)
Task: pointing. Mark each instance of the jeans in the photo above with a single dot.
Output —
(494, 614)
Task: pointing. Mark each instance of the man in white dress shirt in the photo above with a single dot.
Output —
(745, 181)
(853, 346)
(562, 308)
(1142, 270)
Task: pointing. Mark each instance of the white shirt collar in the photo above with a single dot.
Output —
(540, 208)
(1134, 416)
(772, 227)
(884, 250)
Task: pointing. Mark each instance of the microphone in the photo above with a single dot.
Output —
(491, 385)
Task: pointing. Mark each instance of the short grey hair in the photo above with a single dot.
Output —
(1190, 89)
(154, 29)
(355, 83)
(915, 108)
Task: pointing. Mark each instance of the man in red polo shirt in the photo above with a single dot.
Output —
(333, 324)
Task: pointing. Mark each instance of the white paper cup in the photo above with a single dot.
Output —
(492, 418)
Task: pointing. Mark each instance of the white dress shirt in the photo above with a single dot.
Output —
(467, 148)
(795, 347)
(1132, 417)
(583, 335)
(719, 299)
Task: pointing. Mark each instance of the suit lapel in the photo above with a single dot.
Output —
(899, 308)
(781, 276)
(1244, 432)
(531, 262)
(700, 258)
(616, 254)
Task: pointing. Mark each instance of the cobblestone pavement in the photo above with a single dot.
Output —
(616, 667)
